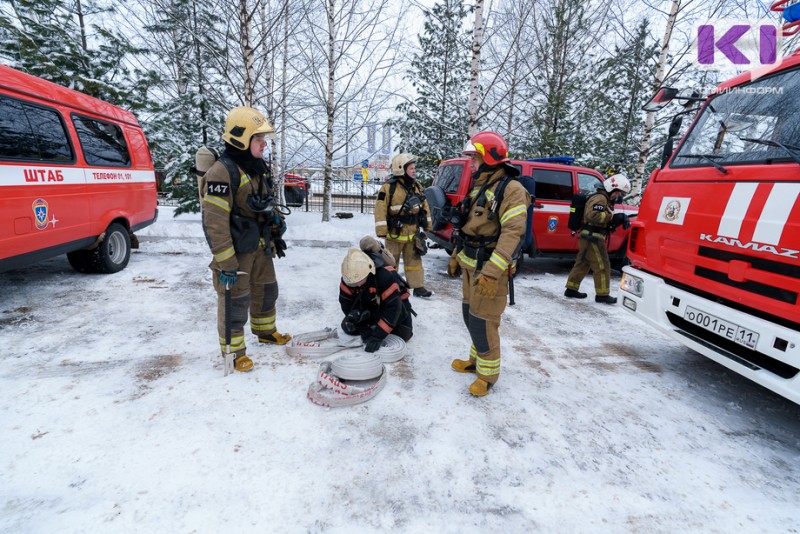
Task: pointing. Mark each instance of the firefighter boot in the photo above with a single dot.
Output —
(275, 338)
(463, 366)
(242, 363)
(480, 387)
(422, 292)
(574, 294)
(605, 299)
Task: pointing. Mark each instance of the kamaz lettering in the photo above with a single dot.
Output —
(758, 247)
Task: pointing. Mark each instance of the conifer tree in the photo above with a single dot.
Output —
(434, 125)
(613, 120)
(52, 39)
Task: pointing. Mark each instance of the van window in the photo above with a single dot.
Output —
(102, 142)
(553, 185)
(449, 176)
(33, 133)
(588, 183)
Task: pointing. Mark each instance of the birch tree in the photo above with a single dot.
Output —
(351, 50)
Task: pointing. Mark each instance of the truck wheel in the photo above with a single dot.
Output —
(113, 253)
(80, 261)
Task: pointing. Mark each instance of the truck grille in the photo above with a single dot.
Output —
(744, 356)
(776, 293)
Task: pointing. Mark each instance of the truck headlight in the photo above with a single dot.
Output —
(632, 284)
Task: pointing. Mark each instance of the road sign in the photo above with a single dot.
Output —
(365, 163)
(357, 176)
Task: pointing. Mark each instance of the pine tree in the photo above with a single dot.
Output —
(50, 39)
(434, 125)
(613, 120)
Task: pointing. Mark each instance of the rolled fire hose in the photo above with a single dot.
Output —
(329, 390)
(321, 343)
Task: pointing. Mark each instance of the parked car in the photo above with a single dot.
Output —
(295, 189)
(556, 181)
(76, 177)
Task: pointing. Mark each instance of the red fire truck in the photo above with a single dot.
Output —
(76, 177)
(715, 250)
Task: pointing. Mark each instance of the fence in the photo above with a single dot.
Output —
(346, 195)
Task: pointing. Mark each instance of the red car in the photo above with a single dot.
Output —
(295, 189)
(556, 180)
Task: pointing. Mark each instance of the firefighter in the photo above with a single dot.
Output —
(494, 217)
(598, 219)
(243, 233)
(401, 211)
(374, 299)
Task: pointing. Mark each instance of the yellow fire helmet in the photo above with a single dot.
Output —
(400, 161)
(242, 124)
(356, 267)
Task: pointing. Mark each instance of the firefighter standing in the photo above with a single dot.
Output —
(243, 233)
(486, 245)
(374, 299)
(598, 218)
(401, 211)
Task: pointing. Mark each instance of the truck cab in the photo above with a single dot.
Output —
(554, 181)
(715, 250)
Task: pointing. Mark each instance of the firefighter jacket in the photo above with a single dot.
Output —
(398, 215)
(224, 217)
(597, 213)
(490, 237)
(384, 296)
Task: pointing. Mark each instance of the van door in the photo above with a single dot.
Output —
(43, 202)
(554, 190)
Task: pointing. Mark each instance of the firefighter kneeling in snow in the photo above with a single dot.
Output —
(244, 232)
(494, 216)
(598, 220)
(373, 297)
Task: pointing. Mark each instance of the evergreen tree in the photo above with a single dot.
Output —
(434, 125)
(614, 122)
(556, 91)
(183, 114)
(50, 39)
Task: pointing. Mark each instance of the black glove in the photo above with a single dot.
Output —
(620, 219)
(280, 246)
(373, 344)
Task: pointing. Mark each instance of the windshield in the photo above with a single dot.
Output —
(747, 125)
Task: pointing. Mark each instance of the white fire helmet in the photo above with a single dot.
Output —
(356, 267)
(399, 163)
(618, 181)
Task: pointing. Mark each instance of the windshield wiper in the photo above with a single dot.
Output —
(709, 158)
(789, 149)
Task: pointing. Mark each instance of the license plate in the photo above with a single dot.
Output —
(721, 327)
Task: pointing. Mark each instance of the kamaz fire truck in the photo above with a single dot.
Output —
(715, 249)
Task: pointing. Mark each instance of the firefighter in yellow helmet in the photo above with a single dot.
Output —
(401, 212)
(494, 218)
(243, 230)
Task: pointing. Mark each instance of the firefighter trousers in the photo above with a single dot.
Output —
(592, 255)
(482, 317)
(256, 291)
(412, 262)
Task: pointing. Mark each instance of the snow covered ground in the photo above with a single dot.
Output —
(115, 416)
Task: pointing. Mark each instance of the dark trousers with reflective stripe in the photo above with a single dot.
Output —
(482, 317)
(255, 291)
(592, 254)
